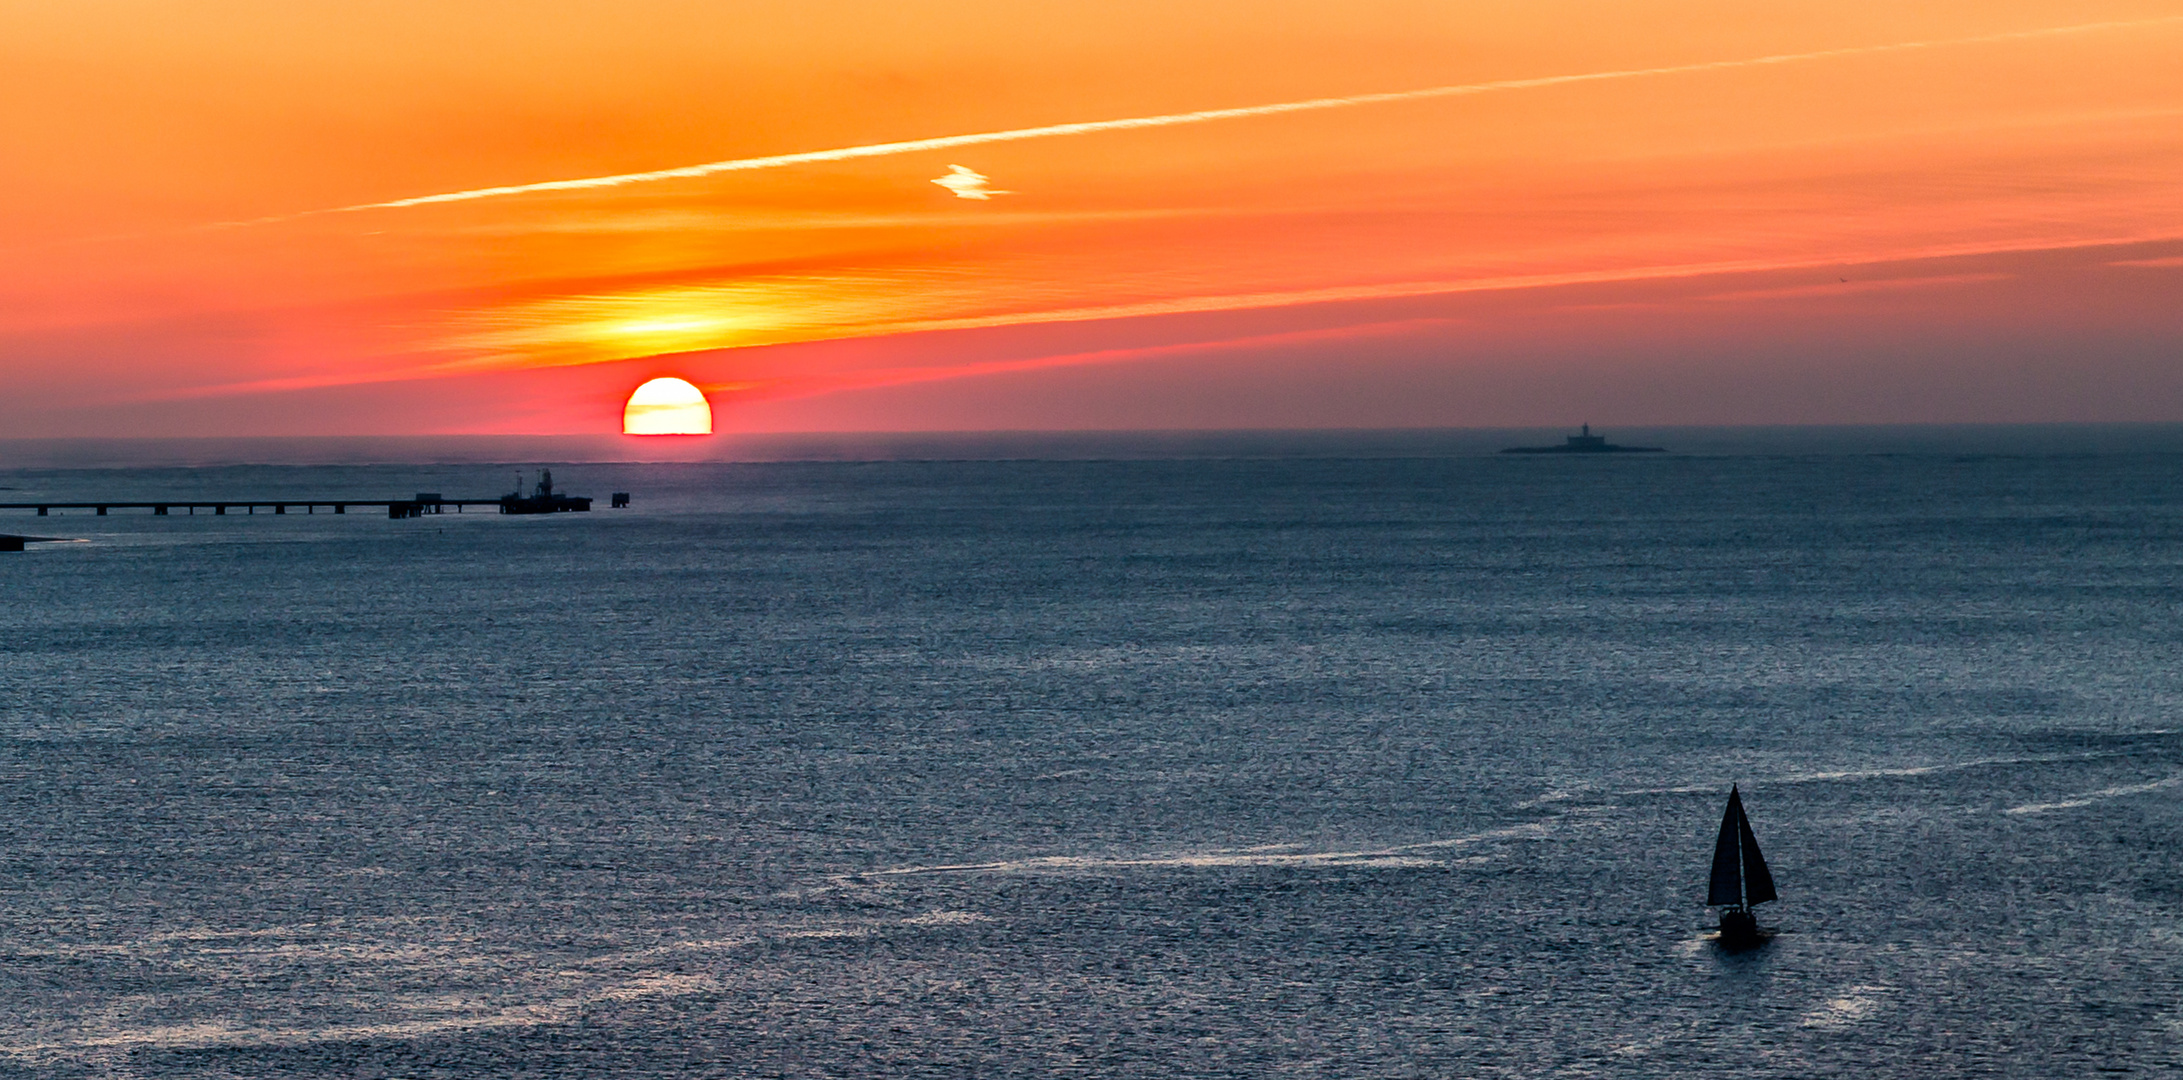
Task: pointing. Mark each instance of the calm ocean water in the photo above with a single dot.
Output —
(1362, 767)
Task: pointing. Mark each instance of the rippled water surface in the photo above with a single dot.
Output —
(1340, 768)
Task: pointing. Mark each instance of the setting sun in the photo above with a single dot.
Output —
(667, 406)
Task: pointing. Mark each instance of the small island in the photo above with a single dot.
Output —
(1586, 443)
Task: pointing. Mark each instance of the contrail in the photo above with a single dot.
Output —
(1202, 116)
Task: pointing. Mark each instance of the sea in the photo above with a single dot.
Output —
(1231, 755)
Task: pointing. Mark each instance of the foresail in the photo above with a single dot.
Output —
(1727, 887)
(1758, 884)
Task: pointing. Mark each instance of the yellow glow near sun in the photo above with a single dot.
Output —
(667, 406)
(666, 326)
(688, 318)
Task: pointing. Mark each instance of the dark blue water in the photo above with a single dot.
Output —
(1252, 767)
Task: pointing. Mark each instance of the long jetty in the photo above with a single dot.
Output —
(542, 500)
(396, 508)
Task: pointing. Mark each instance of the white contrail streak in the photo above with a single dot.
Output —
(947, 142)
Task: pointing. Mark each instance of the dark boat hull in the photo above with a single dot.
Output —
(10, 542)
(1740, 930)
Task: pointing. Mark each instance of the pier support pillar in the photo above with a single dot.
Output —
(41, 511)
(102, 511)
(220, 510)
(160, 511)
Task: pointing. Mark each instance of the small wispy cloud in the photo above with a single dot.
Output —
(2167, 263)
(968, 183)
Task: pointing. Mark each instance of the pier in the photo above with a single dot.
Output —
(542, 500)
(396, 508)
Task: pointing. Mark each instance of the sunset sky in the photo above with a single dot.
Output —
(1670, 212)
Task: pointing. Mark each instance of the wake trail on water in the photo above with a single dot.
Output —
(2090, 797)
(1835, 776)
(1399, 855)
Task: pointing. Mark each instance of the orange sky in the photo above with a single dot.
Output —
(1962, 212)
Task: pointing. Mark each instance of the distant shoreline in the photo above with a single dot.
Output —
(2025, 439)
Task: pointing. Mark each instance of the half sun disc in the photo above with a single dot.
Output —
(667, 406)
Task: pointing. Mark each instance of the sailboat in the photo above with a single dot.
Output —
(1740, 878)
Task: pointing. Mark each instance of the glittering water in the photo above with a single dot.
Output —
(1263, 767)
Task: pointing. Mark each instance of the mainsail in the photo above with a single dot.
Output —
(1740, 878)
